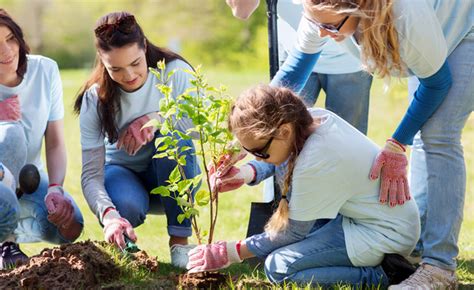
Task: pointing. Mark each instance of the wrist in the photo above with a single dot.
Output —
(250, 173)
(109, 214)
(395, 146)
(55, 187)
(233, 253)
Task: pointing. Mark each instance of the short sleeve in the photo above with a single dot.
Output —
(91, 135)
(423, 47)
(57, 104)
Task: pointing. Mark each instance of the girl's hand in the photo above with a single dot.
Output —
(10, 109)
(134, 138)
(391, 165)
(213, 257)
(115, 227)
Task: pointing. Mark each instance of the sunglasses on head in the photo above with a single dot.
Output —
(328, 27)
(125, 25)
(261, 152)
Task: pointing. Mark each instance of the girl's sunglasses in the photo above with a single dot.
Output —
(125, 25)
(261, 152)
(328, 27)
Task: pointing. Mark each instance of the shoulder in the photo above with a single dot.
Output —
(42, 63)
(177, 64)
(90, 97)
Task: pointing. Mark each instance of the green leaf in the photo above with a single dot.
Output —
(190, 212)
(161, 190)
(183, 202)
(181, 218)
(160, 155)
(182, 160)
(184, 185)
(175, 175)
(197, 180)
(202, 197)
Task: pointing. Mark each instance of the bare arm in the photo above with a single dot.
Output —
(56, 157)
(242, 9)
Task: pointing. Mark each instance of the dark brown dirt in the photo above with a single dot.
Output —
(203, 280)
(74, 266)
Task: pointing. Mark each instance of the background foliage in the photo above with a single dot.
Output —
(203, 31)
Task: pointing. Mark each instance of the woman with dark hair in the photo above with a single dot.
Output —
(119, 97)
(31, 109)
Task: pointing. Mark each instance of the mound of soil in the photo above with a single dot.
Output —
(79, 265)
(202, 280)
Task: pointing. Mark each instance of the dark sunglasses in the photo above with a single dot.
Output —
(125, 25)
(328, 27)
(261, 152)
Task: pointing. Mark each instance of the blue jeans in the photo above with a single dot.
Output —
(347, 95)
(437, 168)
(320, 259)
(130, 191)
(26, 218)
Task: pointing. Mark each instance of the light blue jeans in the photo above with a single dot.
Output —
(25, 218)
(130, 191)
(320, 259)
(347, 95)
(437, 168)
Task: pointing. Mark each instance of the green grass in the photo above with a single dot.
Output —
(386, 109)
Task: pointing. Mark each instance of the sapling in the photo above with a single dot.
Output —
(207, 107)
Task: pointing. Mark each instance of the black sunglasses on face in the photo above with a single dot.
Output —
(261, 152)
(125, 25)
(328, 27)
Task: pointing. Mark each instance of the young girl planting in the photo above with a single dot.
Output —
(329, 226)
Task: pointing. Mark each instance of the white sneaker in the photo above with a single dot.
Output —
(179, 255)
(428, 277)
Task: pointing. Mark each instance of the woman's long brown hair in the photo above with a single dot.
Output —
(108, 90)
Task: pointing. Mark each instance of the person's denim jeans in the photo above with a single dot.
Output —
(130, 191)
(25, 218)
(437, 168)
(347, 95)
(33, 225)
(320, 259)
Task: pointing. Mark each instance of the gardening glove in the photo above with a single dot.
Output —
(391, 165)
(60, 209)
(243, 8)
(135, 136)
(10, 109)
(213, 257)
(115, 227)
(233, 178)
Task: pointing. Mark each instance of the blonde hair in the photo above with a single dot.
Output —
(379, 37)
(259, 112)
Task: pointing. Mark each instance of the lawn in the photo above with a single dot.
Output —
(385, 110)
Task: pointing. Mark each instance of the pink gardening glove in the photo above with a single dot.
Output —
(227, 177)
(391, 164)
(213, 257)
(132, 139)
(115, 227)
(233, 178)
(10, 109)
(60, 209)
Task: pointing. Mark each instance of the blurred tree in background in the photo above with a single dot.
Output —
(203, 31)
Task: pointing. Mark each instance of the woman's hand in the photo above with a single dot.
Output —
(10, 109)
(115, 227)
(213, 257)
(391, 165)
(134, 137)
